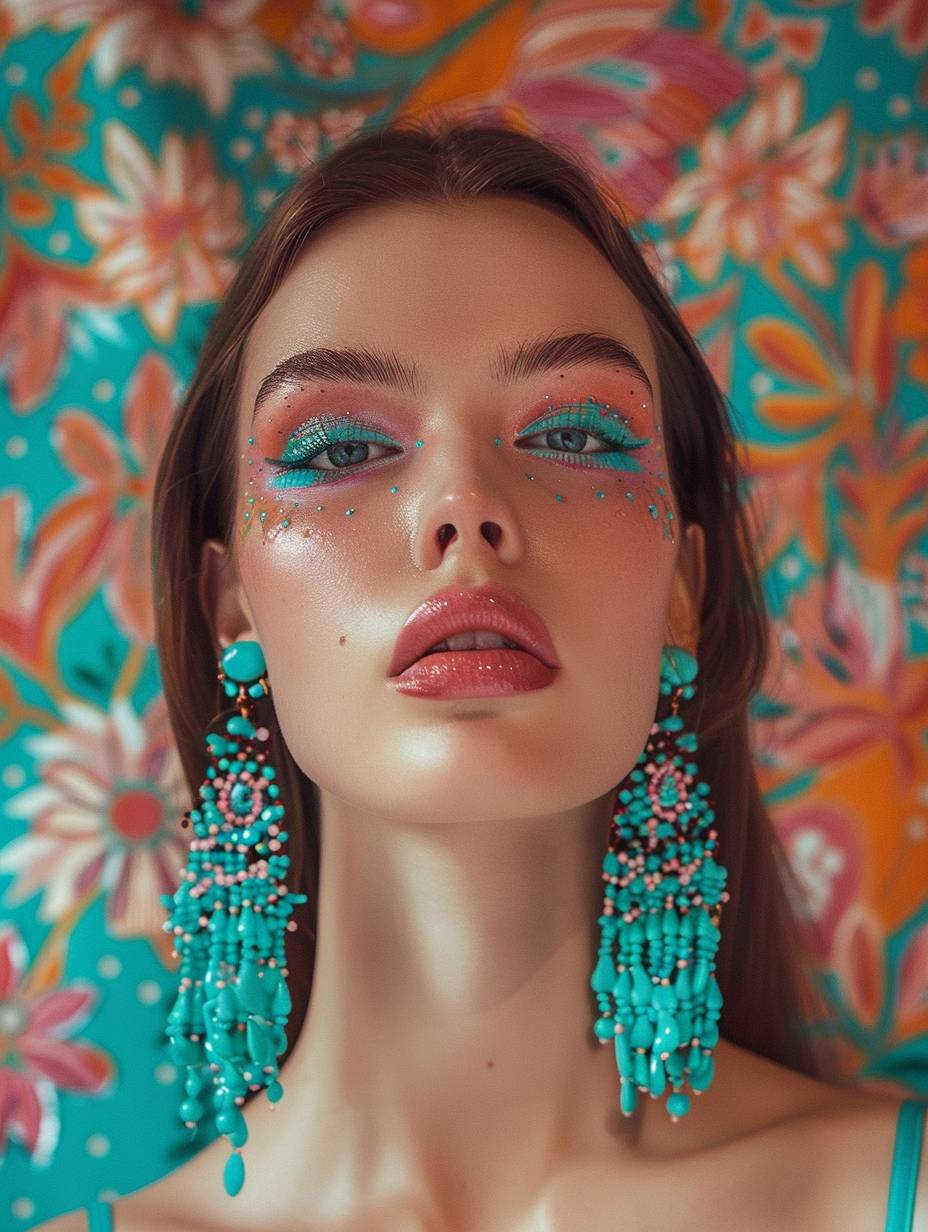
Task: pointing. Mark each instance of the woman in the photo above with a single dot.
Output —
(389, 440)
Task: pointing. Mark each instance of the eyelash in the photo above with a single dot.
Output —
(555, 422)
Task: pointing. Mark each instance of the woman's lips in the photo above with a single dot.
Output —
(486, 672)
(458, 608)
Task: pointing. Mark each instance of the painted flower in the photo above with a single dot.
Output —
(321, 45)
(890, 196)
(295, 141)
(292, 141)
(38, 1057)
(205, 48)
(848, 691)
(340, 123)
(760, 189)
(103, 815)
(167, 240)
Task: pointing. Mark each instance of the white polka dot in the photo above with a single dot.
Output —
(15, 74)
(165, 1073)
(97, 1145)
(13, 776)
(23, 1208)
(128, 96)
(899, 106)
(761, 383)
(109, 966)
(108, 1195)
(16, 446)
(264, 198)
(916, 827)
(791, 567)
(59, 241)
(241, 148)
(789, 639)
(148, 992)
(253, 118)
(867, 79)
(103, 390)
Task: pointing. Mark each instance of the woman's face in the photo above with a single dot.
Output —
(333, 552)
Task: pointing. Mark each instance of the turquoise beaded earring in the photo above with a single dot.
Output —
(228, 918)
(660, 1002)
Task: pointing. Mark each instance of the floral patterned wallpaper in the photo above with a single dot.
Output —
(774, 159)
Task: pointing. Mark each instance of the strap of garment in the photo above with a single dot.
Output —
(100, 1217)
(907, 1153)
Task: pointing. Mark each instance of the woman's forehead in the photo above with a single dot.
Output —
(443, 285)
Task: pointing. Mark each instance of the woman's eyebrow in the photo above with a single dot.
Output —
(373, 367)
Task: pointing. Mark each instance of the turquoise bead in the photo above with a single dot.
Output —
(604, 976)
(238, 725)
(657, 1078)
(233, 1176)
(604, 1028)
(678, 1104)
(240, 799)
(230, 1120)
(244, 661)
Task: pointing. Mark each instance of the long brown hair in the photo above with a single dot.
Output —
(762, 967)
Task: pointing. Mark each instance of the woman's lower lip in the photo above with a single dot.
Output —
(474, 673)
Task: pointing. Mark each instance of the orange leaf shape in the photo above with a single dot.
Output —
(29, 207)
(789, 351)
(794, 412)
(61, 80)
(66, 141)
(25, 117)
(63, 179)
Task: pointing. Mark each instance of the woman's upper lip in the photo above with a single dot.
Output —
(456, 609)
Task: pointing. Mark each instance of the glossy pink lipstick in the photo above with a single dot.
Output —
(530, 663)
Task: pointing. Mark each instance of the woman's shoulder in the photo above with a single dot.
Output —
(822, 1154)
(771, 1148)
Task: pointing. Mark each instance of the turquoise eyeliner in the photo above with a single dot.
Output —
(306, 443)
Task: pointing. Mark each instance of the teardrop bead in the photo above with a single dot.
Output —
(233, 1176)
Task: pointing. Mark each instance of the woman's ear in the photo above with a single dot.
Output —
(223, 600)
(689, 582)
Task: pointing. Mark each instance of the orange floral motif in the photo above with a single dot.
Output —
(37, 296)
(843, 394)
(910, 311)
(100, 532)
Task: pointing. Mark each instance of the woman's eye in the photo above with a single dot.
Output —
(574, 440)
(343, 447)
